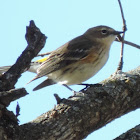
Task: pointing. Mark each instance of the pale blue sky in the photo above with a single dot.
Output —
(61, 21)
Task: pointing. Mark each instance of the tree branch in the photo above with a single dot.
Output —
(6, 97)
(8, 121)
(79, 115)
(36, 41)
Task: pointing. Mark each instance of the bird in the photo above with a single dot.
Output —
(77, 60)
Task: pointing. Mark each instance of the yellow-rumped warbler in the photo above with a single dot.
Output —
(77, 60)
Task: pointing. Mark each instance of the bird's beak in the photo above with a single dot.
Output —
(117, 32)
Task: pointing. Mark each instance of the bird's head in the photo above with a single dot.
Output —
(103, 34)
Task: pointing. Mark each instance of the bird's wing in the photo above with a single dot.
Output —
(67, 54)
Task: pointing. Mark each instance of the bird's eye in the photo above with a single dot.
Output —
(104, 31)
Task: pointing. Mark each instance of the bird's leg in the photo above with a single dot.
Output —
(70, 89)
(87, 85)
(90, 85)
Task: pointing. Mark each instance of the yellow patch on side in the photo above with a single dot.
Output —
(42, 60)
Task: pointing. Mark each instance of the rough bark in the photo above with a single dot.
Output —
(8, 121)
(76, 117)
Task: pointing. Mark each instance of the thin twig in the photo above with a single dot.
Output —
(120, 66)
(129, 43)
(43, 54)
